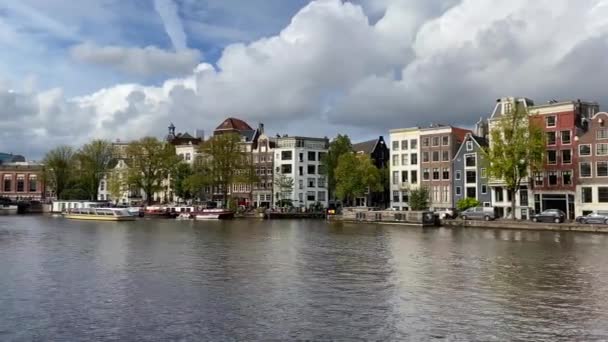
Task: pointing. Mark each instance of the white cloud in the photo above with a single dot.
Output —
(138, 61)
(168, 12)
(332, 69)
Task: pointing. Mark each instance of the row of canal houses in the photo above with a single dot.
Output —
(449, 161)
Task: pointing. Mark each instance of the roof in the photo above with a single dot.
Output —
(234, 124)
(367, 147)
(11, 158)
(480, 141)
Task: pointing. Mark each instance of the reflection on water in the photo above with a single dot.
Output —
(282, 280)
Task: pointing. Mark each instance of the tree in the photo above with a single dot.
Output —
(179, 177)
(58, 169)
(339, 146)
(419, 198)
(356, 175)
(284, 186)
(150, 163)
(516, 148)
(116, 185)
(226, 163)
(466, 203)
(94, 161)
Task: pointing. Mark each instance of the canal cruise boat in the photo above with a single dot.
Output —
(99, 214)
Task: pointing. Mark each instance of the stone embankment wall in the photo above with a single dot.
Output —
(527, 225)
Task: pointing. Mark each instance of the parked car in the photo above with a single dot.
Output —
(600, 216)
(479, 213)
(449, 213)
(550, 215)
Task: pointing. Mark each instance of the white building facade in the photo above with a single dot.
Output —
(299, 158)
(404, 165)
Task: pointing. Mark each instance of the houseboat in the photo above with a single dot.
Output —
(8, 209)
(213, 214)
(159, 212)
(99, 214)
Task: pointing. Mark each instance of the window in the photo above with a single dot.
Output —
(414, 176)
(301, 155)
(435, 156)
(567, 177)
(312, 156)
(484, 189)
(395, 177)
(602, 194)
(566, 137)
(404, 144)
(458, 191)
(445, 156)
(551, 157)
(551, 138)
(311, 182)
(587, 194)
(310, 195)
(551, 121)
(446, 194)
(436, 173)
(425, 142)
(33, 182)
(395, 160)
(102, 186)
(538, 178)
(20, 184)
(601, 169)
(471, 192)
(311, 169)
(286, 155)
(470, 160)
(425, 157)
(322, 155)
(286, 168)
(435, 141)
(458, 175)
(585, 169)
(566, 156)
(395, 146)
(471, 177)
(584, 150)
(321, 182)
(300, 184)
(426, 174)
(602, 133)
(508, 107)
(445, 141)
(404, 178)
(469, 146)
(301, 197)
(405, 159)
(552, 176)
(483, 173)
(413, 144)
(499, 194)
(395, 196)
(446, 173)
(188, 156)
(8, 186)
(414, 159)
(405, 198)
(601, 149)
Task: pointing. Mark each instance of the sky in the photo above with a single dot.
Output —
(72, 71)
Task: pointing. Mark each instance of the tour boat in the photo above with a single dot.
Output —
(8, 209)
(213, 214)
(99, 214)
(159, 212)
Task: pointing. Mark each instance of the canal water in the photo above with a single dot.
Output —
(284, 280)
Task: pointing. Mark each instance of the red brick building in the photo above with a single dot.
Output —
(555, 186)
(22, 181)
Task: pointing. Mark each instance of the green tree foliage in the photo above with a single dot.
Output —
(225, 163)
(516, 149)
(419, 198)
(116, 184)
(94, 161)
(58, 169)
(339, 146)
(466, 203)
(179, 178)
(150, 163)
(284, 186)
(355, 175)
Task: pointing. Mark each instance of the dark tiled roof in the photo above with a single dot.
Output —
(366, 146)
(11, 158)
(234, 124)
